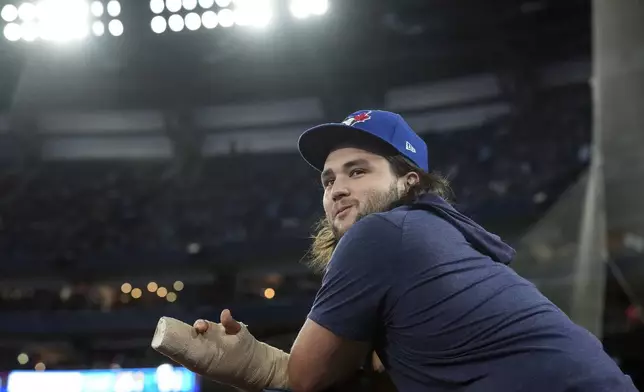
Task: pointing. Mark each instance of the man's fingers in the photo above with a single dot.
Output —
(231, 326)
(201, 326)
(377, 363)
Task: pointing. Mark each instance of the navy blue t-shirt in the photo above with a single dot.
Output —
(431, 290)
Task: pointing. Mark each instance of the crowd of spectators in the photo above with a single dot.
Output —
(98, 211)
(71, 210)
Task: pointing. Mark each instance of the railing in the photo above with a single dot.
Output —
(265, 314)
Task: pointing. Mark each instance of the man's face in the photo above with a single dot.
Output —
(357, 183)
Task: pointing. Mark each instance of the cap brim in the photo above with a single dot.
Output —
(316, 144)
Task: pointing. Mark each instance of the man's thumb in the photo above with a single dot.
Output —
(231, 326)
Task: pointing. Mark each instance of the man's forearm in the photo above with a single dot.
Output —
(306, 376)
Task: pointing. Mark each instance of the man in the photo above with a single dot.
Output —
(428, 287)
(429, 290)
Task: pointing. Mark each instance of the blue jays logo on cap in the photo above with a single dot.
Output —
(357, 118)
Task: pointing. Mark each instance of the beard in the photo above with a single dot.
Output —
(375, 202)
(327, 235)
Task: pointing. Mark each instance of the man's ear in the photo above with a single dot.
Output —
(407, 181)
(412, 178)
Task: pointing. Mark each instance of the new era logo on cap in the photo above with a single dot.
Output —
(409, 147)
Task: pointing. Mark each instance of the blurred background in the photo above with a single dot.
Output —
(148, 162)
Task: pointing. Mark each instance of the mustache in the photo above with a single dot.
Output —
(341, 207)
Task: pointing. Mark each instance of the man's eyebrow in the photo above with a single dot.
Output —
(326, 173)
(355, 162)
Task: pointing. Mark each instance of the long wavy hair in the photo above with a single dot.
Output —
(325, 241)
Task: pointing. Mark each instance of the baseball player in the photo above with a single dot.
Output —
(406, 275)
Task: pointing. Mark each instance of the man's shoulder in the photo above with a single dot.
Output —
(406, 216)
(395, 217)
(376, 225)
(390, 226)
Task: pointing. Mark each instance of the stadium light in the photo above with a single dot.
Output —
(162, 292)
(12, 32)
(192, 21)
(269, 293)
(158, 24)
(302, 9)
(152, 287)
(253, 13)
(30, 31)
(114, 8)
(9, 13)
(209, 19)
(136, 293)
(23, 358)
(126, 288)
(226, 17)
(97, 9)
(27, 11)
(173, 5)
(60, 21)
(98, 28)
(189, 5)
(175, 22)
(171, 297)
(257, 13)
(115, 27)
(157, 6)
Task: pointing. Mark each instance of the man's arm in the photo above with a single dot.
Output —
(319, 358)
(348, 308)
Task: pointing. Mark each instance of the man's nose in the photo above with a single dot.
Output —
(339, 191)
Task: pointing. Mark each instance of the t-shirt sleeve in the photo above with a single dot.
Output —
(359, 277)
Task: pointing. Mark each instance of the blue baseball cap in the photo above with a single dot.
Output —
(316, 144)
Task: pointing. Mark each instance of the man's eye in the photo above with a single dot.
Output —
(327, 183)
(356, 172)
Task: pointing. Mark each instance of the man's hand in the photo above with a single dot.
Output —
(225, 352)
